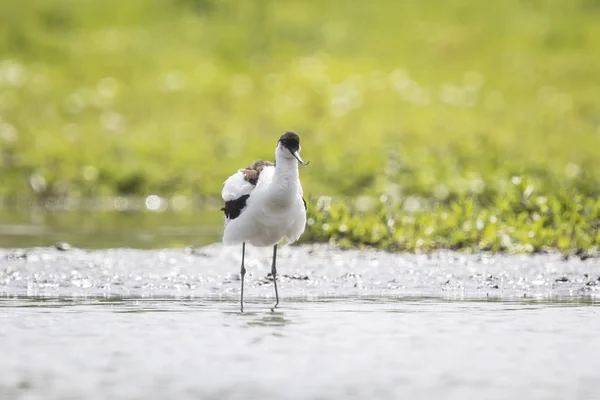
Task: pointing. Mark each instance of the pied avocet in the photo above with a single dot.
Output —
(264, 204)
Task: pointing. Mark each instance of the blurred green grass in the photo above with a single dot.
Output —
(441, 106)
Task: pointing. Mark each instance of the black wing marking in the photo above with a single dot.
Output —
(233, 208)
(304, 201)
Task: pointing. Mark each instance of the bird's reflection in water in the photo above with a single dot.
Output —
(269, 318)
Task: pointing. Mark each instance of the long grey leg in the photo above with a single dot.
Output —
(242, 273)
(274, 275)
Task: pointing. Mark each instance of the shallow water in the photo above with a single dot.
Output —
(99, 225)
(326, 349)
(131, 324)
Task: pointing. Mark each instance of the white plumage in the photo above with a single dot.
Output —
(269, 216)
(264, 203)
(236, 186)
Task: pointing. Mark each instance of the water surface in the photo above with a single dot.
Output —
(96, 224)
(156, 324)
(317, 349)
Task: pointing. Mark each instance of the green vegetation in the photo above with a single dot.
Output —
(473, 125)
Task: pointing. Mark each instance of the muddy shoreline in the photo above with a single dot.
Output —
(304, 271)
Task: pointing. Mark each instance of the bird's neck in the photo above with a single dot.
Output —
(285, 180)
(286, 170)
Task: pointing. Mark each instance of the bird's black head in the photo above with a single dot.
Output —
(290, 141)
